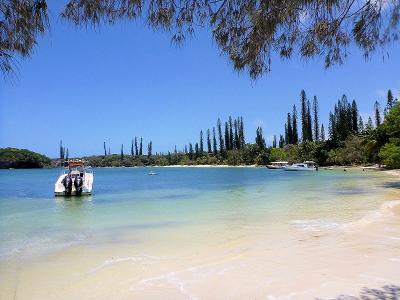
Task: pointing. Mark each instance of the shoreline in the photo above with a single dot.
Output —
(394, 172)
(207, 166)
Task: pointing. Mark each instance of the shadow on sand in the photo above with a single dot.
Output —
(392, 185)
(387, 292)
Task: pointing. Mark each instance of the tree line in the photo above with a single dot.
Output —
(230, 137)
(349, 140)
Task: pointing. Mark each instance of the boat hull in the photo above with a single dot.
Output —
(274, 167)
(73, 193)
(299, 169)
(59, 189)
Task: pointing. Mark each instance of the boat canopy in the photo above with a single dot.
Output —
(76, 163)
(279, 163)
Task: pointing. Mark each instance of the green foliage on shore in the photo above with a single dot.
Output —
(348, 143)
(22, 158)
(389, 153)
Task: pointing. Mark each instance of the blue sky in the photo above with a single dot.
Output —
(87, 86)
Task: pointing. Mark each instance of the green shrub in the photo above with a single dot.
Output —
(22, 158)
(390, 155)
(278, 154)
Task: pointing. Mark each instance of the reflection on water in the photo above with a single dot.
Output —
(72, 201)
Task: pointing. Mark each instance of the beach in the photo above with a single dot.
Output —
(230, 233)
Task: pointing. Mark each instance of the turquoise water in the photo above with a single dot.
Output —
(130, 206)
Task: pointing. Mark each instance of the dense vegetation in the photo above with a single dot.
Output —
(22, 158)
(350, 140)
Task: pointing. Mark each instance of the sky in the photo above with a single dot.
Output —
(85, 86)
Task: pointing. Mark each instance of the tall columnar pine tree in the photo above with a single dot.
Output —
(360, 124)
(191, 152)
(230, 133)
(332, 127)
(61, 150)
(175, 150)
(341, 120)
(136, 147)
(201, 142)
(227, 137)
(294, 126)
(369, 125)
(141, 147)
(274, 142)
(105, 149)
(241, 134)
(196, 150)
(220, 137)
(236, 141)
(67, 154)
(260, 141)
(316, 119)
(281, 141)
(289, 129)
(322, 133)
(149, 149)
(390, 101)
(132, 149)
(354, 116)
(185, 150)
(304, 127)
(286, 134)
(378, 119)
(122, 152)
(109, 151)
(209, 148)
(214, 143)
(309, 122)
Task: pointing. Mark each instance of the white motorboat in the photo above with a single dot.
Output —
(152, 173)
(305, 166)
(75, 180)
(277, 165)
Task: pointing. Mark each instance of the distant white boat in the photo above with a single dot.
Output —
(277, 165)
(152, 173)
(76, 180)
(305, 166)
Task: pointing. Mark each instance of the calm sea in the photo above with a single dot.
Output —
(128, 205)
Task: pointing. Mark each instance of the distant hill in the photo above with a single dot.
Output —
(22, 158)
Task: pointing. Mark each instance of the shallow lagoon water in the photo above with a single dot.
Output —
(136, 233)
